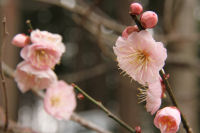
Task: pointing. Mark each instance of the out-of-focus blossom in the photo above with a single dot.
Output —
(153, 98)
(149, 19)
(136, 8)
(45, 37)
(140, 56)
(27, 77)
(41, 56)
(60, 100)
(21, 40)
(168, 120)
(46, 50)
(129, 30)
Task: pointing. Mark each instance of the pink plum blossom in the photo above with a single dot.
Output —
(60, 100)
(27, 77)
(45, 37)
(46, 50)
(168, 120)
(140, 56)
(41, 56)
(153, 98)
(21, 40)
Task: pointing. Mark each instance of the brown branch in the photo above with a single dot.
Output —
(173, 99)
(86, 74)
(103, 108)
(3, 82)
(81, 8)
(168, 88)
(75, 117)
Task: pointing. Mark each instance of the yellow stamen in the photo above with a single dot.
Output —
(55, 101)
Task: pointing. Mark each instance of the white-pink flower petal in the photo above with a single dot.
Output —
(27, 77)
(153, 98)
(140, 56)
(60, 100)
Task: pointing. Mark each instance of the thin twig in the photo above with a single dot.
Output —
(168, 87)
(28, 22)
(103, 108)
(137, 22)
(74, 117)
(5, 34)
(174, 102)
(81, 7)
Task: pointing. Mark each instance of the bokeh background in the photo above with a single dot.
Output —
(89, 29)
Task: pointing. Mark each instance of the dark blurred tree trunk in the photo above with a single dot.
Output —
(183, 80)
(9, 9)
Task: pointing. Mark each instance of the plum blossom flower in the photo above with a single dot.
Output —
(21, 40)
(46, 37)
(60, 100)
(152, 95)
(46, 50)
(41, 56)
(168, 120)
(27, 77)
(140, 56)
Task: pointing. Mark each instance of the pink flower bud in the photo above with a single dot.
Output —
(136, 8)
(168, 120)
(21, 40)
(149, 19)
(138, 129)
(129, 30)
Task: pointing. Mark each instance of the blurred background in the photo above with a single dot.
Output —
(89, 29)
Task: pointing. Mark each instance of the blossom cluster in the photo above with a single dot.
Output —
(41, 51)
(142, 58)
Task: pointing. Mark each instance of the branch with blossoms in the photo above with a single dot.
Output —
(39, 75)
(143, 59)
(138, 55)
(74, 117)
(41, 52)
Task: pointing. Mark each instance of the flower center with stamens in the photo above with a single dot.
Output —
(167, 122)
(41, 54)
(142, 95)
(142, 57)
(55, 101)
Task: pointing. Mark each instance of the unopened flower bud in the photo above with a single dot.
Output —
(21, 40)
(138, 129)
(129, 30)
(149, 19)
(80, 96)
(136, 8)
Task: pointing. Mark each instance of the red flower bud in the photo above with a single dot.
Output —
(149, 19)
(136, 8)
